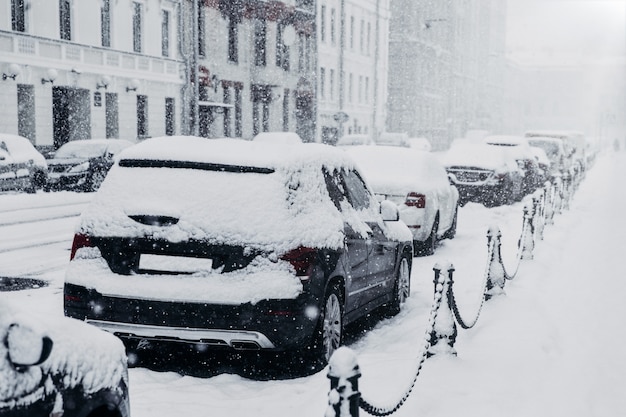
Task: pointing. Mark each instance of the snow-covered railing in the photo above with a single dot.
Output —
(344, 398)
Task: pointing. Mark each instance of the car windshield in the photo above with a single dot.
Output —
(81, 150)
(550, 148)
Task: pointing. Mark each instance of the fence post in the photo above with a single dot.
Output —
(444, 331)
(539, 206)
(528, 238)
(550, 201)
(344, 374)
(496, 275)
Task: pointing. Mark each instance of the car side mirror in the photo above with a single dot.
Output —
(389, 211)
(27, 347)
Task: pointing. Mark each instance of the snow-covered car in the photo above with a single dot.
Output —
(418, 183)
(556, 152)
(355, 139)
(57, 366)
(82, 165)
(573, 141)
(285, 138)
(22, 167)
(521, 149)
(484, 173)
(231, 244)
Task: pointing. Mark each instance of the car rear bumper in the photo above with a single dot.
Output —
(265, 325)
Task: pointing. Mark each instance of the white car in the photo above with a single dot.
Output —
(285, 138)
(21, 165)
(419, 184)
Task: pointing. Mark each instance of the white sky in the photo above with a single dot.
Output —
(565, 31)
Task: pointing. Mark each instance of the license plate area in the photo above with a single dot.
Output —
(169, 264)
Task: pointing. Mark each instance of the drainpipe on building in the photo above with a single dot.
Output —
(375, 86)
(195, 128)
(185, 109)
(342, 47)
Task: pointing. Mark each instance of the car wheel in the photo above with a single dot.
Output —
(330, 328)
(429, 245)
(401, 288)
(451, 232)
(96, 180)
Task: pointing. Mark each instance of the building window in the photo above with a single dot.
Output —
(233, 45)
(260, 41)
(137, 23)
(350, 87)
(322, 83)
(18, 16)
(282, 50)
(65, 19)
(170, 116)
(362, 37)
(238, 112)
(351, 32)
(286, 110)
(331, 84)
(142, 116)
(369, 35)
(333, 30)
(201, 31)
(105, 23)
(323, 24)
(227, 115)
(111, 112)
(165, 33)
(360, 88)
(367, 88)
(26, 111)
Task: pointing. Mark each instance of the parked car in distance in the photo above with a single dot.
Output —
(421, 144)
(236, 245)
(82, 165)
(285, 138)
(393, 139)
(526, 160)
(418, 183)
(484, 173)
(354, 140)
(22, 167)
(56, 366)
(574, 142)
(556, 152)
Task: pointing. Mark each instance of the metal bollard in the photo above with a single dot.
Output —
(344, 374)
(528, 238)
(444, 331)
(496, 274)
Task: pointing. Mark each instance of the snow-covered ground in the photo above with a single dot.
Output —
(552, 346)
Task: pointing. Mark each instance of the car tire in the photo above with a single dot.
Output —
(427, 248)
(451, 232)
(329, 334)
(401, 288)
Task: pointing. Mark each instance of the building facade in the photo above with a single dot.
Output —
(255, 65)
(353, 66)
(89, 69)
(446, 68)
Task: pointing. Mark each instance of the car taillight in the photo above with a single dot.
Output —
(415, 200)
(302, 259)
(80, 241)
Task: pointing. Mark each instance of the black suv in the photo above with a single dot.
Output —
(236, 245)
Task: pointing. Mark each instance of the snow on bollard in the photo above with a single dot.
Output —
(528, 233)
(344, 374)
(539, 206)
(496, 274)
(444, 331)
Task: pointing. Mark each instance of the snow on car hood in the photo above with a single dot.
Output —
(82, 355)
(286, 208)
(480, 156)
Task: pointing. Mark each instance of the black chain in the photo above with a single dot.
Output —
(381, 411)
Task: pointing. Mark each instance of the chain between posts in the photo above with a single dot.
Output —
(344, 398)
